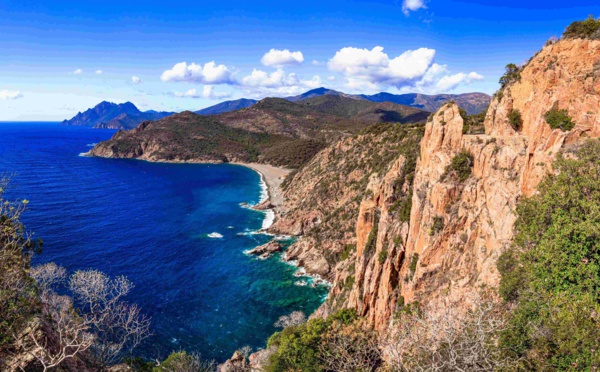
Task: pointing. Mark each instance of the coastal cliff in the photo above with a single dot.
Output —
(461, 219)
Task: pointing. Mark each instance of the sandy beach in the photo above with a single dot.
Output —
(273, 177)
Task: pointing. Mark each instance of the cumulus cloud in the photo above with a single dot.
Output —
(275, 79)
(370, 68)
(98, 72)
(210, 73)
(412, 6)
(135, 80)
(451, 82)
(313, 83)
(208, 92)
(10, 94)
(281, 58)
(78, 72)
(412, 70)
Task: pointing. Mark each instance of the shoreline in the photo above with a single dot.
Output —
(272, 177)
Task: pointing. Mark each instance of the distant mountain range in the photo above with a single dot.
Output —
(127, 116)
(473, 103)
(108, 115)
(227, 106)
(274, 130)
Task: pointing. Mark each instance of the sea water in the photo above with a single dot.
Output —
(177, 231)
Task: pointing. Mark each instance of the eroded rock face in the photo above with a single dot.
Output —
(457, 230)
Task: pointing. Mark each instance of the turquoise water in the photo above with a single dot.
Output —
(151, 222)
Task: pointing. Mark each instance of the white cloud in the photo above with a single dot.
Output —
(370, 68)
(192, 93)
(98, 72)
(450, 82)
(412, 6)
(313, 83)
(210, 73)
(78, 72)
(316, 63)
(331, 78)
(280, 58)
(207, 92)
(374, 70)
(135, 80)
(275, 79)
(10, 94)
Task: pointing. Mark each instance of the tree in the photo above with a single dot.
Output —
(511, 73)
(18, 297)
(439, 337)
(295, 318)
(64, 336)
(118, 326)
(64, 333)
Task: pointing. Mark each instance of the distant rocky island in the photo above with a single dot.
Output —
(108, 115)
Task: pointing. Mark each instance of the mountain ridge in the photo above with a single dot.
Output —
(109, 115)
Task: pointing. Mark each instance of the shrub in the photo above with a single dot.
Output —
(461, 165)
(413, 265)
(382, 256)
(515, 120)
(552, 273)
(315, 345)
(184, 362)
(371, 243)
(437, 226)
(582, 29)
(559, 119)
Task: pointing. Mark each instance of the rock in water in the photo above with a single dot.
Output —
(266, 250)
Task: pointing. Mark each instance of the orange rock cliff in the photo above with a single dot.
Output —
(457, 230)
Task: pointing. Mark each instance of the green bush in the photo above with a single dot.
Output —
(300, 348)
(515, 120)
(461, 164)
(583, 29)
(413, 265)
(371, 243)
(382, 256)
(552, 273)
(437, 226)
(559, 119)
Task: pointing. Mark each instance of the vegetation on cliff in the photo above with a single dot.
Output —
(589, 28)
(552, 273)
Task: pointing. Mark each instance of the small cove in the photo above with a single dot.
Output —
(177, 231)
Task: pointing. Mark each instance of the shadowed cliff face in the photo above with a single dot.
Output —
(457, 229)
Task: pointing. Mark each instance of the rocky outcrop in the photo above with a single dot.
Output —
(266, 250)
(237, 363)
(457, 229)
(449, 243)
(323, 199)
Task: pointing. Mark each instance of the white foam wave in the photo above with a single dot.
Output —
(269, 219)
(215, 235)
(91, 144)
(84, 154)
(264, 193)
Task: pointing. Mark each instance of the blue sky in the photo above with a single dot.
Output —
(61, 57)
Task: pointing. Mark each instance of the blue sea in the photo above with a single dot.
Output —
(161, 226)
